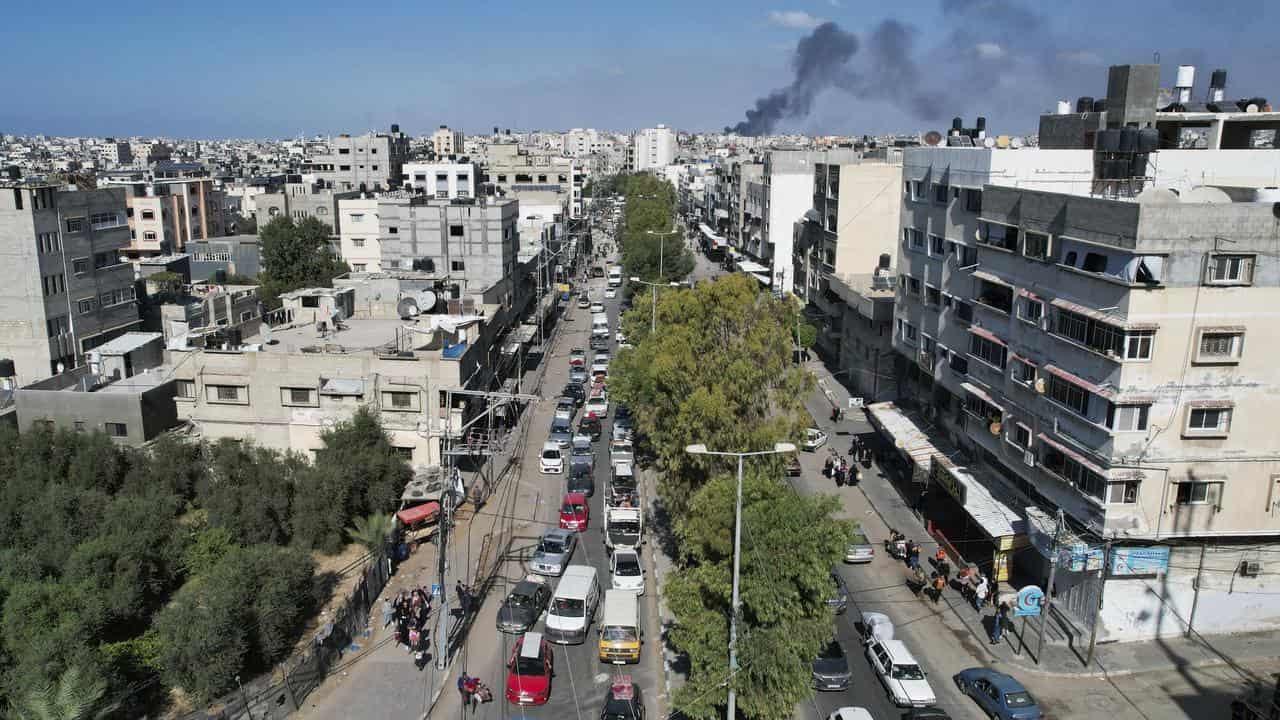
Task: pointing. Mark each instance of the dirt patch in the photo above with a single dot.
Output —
(336, 576)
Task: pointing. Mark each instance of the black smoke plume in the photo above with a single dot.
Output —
(819, 60)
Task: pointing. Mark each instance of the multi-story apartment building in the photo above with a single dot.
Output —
(533, 179)
(64, 285)
(166, 215)
(446, 143)
(471, 243)
(300, 200)
(843, 267)
(1094, 341)
(441, 180)
(364, 162)
(360, 242)
(654, 148)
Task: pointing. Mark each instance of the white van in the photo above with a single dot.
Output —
(615, 276)
(600, 325)
(620, 628)
(573, 606)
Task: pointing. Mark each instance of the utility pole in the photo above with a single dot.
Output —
(1097, 617)
(733, 612)
(1048, 591)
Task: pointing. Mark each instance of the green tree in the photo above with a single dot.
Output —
(371, 531)
(651, 207)
(165, 283)
(790, 543)
(296, 255)
(77, 695)
(807, 335)
(249, 490)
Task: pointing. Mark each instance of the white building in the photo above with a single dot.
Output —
(654, 148)
(360, 241)
(442, 181)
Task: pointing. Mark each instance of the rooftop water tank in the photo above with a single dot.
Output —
(1084, 104)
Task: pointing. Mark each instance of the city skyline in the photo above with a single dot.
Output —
(590, 66)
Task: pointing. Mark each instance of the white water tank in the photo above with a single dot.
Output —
(1267, 195)
(1064, 107)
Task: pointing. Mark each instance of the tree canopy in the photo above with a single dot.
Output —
(651, 207)
(296, 255)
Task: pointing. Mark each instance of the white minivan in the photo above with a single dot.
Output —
(615, 276)
(573, 606)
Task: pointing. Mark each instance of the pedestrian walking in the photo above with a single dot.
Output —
(839, 475)
(939, 583)
(388, 612)
(980, 594)
(464, 688)
(835, 413)
(473, 693)
(997, 623)
(828, 466)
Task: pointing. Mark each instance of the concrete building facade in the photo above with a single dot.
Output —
(447, 143)
(474, 244)
(442, 180)
(64, 285)
(360, 242)
(513, 173)
(655, 148)
(372, 161)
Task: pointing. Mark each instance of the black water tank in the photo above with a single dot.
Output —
(1138, 168)
(885, 260)
(1148, 140)
(395, 127)
(1084, 104)
(957, 124)
(1118, 168)
(7, 368)
(1108, 140)
(1218, 79)
(1100, 105)
(219, 276)
(1128, 139)
(982, 123)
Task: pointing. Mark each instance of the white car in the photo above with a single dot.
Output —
(627, 571)
(610, 293)
(900, 674)
(622, 339)
(597, 405)
(600, 367)
(814, 439)
(597, 307)
(552, 459)
(621, 451)
(850, 713)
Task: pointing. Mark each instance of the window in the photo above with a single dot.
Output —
(79, 426)
(116, 429)
(1020, 436)
(457, 265)
(1069, 395)
(1094, 262)
(357, 217)
(1208, 421)
(989, 352)
(393, 230)
(913, 238)
(105, 259)
(1023, 372)
(344, 151)
(48, 242)
(998, 236)
(297, 396)
(148, 214)
(57, 325)
(1035, 245)
(104, 220)
(1072, 471)
(932, 296)
(420, 177)
(1230, 270)
(116, 297)
(357, 242)
(940, 193)
(237, 394)
(75, 225)
(84, 306)
(405, 453)
(1095, 335)
(359, 267)
(964, 311)
(1220, 346)
(913, 285)
(937, 245)
(1030, 310)
(996, 296)
(1128, 418)
(973, 200)
(1122, 493)
(456, 231)
(965, 255)
(185, 389)
(80, 266)
(399, 400)
(958, 364)
(502, 178)
(1199, 493)
(345, 168)
(908, 332)
(1137, 344)
(53, 284)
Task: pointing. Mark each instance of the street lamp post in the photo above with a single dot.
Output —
(778, 448)
(662, 238)
(653, 315)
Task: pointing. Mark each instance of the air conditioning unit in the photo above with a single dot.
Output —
(1250, 568)
(1028, 458)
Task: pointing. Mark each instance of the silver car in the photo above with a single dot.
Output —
(553, 552)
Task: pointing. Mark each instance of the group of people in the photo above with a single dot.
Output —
(473, 692)
(839, 469)
(411, 613)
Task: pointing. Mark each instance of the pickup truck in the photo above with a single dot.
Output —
(622, 528)
(621, 451)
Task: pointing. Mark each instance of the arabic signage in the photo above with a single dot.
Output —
(1140, 560)
(939, 474)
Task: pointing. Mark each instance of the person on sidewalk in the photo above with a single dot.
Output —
(464, 688)
(473, 693)
(939, 583)
(997, 622)
(388, 612)
(980, 594)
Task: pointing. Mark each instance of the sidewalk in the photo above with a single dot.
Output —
(958, 615)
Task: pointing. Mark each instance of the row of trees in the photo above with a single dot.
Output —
(125, 572)
(650, 207)
(719, 371)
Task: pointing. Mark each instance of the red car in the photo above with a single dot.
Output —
(574, 512)
(529, 671)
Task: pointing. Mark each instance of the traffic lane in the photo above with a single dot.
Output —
(864, 688)
(880, 586)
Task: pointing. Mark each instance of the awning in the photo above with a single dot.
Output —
(750, 266)
(711, 235)
(342, 386)
(1028, 294)
(764, 279)
(1081, 382)
(981, 394)
(983, 275)
(989, 507)
(905, 433)
(1087, 311)
(1023, 358)
(987, 335)
(418, 513)
(1073, 454)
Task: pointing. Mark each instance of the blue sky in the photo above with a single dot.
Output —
(275, 69)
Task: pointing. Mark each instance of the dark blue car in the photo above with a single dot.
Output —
(999, 695)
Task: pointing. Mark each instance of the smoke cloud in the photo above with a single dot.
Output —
(1002, 54)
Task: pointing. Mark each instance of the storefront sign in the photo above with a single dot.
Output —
(1079, 557)
(1140, 560)
(1030, 600)
(940, 475)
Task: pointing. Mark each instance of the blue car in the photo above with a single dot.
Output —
(999, 695)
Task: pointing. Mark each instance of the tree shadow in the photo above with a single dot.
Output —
(661, 529)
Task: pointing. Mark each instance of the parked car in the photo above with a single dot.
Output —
(577, 391)
(999, 695)
(555, 549)
(552, 460)
(575, 513)
(584, 302)
(565, 408)
(599, 342)
(621, 451)
(623, 701)
(597, 307)
(839, 600)
(900, 674)
(600, 367)
(627, 571)
(850, 713)
(814, 439)
(579, 376)
(589, 425)
(831, 668)
(524, 605)
(793, 465)
(930, 713)
(582, 453)
(561, 432)
(859, 549)
(598, 405)
(577, 357)
(529, 671)
(581, 480)
(610, 293)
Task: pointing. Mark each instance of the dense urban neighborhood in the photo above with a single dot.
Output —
(964, 420)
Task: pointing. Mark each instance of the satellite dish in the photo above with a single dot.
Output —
(426, 301)
(1016, 143)
(1002, 141)
(407, 308)
(988, 142)
(932, 138)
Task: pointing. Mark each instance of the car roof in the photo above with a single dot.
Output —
(575, 497)
(557, 533)
(527, 587)
(531, 645)
(1003, 682)
(898, 651)
(550, 446)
